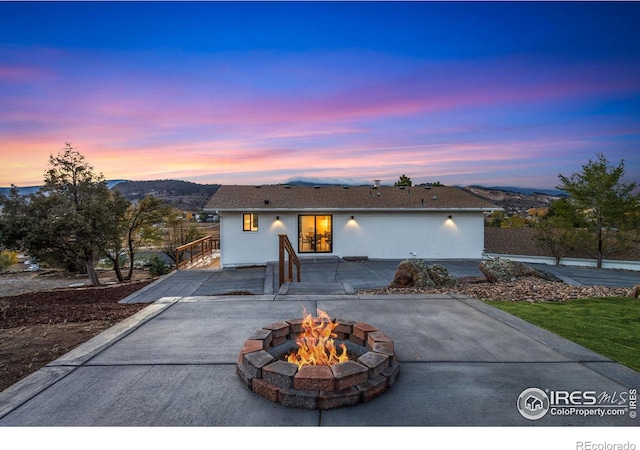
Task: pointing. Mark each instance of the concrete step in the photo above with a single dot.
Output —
(306, 288)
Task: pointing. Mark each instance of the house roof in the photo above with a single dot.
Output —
(285, 197)
(522, 241)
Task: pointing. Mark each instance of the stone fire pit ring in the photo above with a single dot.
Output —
(261, 367)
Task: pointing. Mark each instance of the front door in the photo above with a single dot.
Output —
(315, 234)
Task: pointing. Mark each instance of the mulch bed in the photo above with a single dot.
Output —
(69, 305)
(39, 327)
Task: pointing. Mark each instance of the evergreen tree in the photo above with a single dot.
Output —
(403, 181)
(69, 220)
(604, 205)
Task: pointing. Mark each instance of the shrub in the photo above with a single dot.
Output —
(8, 259)
(158, 267)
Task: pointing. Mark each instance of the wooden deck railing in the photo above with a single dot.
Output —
(187, 253)
(286, 248)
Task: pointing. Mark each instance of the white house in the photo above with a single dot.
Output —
(379, 222)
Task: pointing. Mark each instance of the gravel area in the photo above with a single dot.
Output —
(530, 289)
(23, 282)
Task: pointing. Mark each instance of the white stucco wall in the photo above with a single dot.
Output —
(428, 235)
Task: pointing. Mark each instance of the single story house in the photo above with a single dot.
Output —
(379, 222)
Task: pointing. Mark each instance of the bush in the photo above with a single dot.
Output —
(158, 267)
(8, 259)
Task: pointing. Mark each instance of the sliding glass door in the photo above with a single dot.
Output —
(315, 234)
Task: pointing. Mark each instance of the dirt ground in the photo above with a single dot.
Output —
(44, 315)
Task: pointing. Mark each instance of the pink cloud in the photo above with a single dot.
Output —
(443, 118)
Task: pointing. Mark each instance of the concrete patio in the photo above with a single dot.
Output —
(462, 363)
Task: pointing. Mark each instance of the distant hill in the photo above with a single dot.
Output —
(321, 182)
(516, 200)
(28, 190)
(526, 191)
(183, 195)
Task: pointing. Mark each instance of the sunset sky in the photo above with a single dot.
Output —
(259, 92)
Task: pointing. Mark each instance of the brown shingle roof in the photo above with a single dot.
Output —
(284, 197)
(513, 241)
(522, 241)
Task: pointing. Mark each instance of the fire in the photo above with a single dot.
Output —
(315, 343)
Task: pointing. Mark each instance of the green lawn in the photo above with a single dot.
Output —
(609, 326)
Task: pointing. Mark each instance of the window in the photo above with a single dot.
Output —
(250, 222)
(314, 234)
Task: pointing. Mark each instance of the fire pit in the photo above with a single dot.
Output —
(318, 363)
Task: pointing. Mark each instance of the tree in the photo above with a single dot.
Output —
(113, 245)
(70, 219)
(606, 204)
(555, 231)
(513, 222)
(178, 231)
(403, 181)
(13, 220)
(495, 219)
(143, 226)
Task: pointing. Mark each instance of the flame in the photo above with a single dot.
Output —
(315, 343)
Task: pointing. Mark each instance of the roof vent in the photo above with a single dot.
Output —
(345, 187)
(258, 187)
(266, 201)
(316, 187)
(434, 198)
(376, 183)
(287, 186)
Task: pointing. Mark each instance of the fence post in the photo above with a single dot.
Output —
(281, 261)
(284, 245)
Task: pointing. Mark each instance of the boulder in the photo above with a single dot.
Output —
(547, 276)
(634, 292)
(416, 273)
(440, 276)
(412, 273)
(501, 269)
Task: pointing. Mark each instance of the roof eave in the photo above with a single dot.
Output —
(275, 209)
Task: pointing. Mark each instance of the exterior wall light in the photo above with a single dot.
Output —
(278, 217)
(353, 218)
(450, 216)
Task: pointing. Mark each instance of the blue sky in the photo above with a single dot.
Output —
(501, 93)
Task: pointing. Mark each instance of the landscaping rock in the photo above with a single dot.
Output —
(539, 273)
(416, 273)
(634, 292)
(441, 276)
(530, 289)
(500, 270)
(412, 273)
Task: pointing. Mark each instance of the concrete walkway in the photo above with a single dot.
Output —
(462, 363)
(332, 275)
